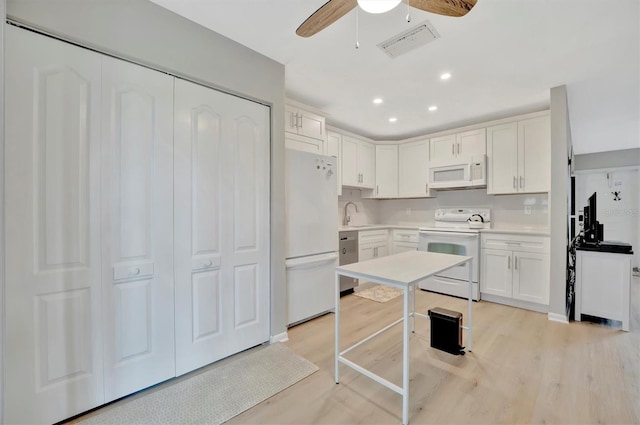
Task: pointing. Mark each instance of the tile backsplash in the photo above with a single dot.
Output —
(367, 208)
(530, 210)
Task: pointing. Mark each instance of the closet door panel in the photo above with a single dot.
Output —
(221, 228)
(247, 136)
(200, 168)
(53, 369)
(137, 147)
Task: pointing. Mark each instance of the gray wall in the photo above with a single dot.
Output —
(558, 200)
(2, 24)
(146, 33)
(611, 159)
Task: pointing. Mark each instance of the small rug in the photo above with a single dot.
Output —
(379, 293)
(215, 396)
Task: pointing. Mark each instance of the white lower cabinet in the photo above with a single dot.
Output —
(603, 286)
(373, 244)
(515, 267)
(403, 240)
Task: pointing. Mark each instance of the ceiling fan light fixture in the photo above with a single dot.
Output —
(378, 6)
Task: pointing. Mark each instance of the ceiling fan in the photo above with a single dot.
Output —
(333, 10)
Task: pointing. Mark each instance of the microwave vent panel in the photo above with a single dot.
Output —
(409, 40)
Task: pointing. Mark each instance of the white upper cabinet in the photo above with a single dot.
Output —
(413, 171)
(471, 143)
(334, 148)
(518, 156)
(443, 147)
(468, 143)
(304, 130)
(298, 120)
(534, 154)
(358, 163)
(502, 158)
(386, 171)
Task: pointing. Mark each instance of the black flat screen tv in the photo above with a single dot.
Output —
(593, 230)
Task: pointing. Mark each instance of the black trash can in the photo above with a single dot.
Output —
(446, 331)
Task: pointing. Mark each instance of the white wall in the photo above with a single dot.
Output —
(610, 159)
(2, 25)
(143, 32)
(558, 201)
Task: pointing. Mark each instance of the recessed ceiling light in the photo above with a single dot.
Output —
(445, 76)
(393, 119)
(377, 100)
(433, 108)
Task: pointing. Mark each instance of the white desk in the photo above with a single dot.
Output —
(403, 271)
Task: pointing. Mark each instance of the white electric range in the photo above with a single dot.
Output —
(457, 231)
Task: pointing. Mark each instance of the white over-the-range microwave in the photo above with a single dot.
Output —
(459, 173)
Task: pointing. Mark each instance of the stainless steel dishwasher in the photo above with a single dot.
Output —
(348, 254)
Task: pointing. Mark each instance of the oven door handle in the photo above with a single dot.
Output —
(450, 235)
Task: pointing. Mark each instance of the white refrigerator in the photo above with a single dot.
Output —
(311, 234)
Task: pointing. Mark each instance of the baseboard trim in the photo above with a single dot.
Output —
(560, 318)
(283, 337)
(540, 308)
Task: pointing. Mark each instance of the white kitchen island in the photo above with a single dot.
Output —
(402, 271)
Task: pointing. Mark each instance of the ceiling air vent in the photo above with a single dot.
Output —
(409, 40)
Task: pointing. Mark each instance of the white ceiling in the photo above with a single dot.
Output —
(504, 56)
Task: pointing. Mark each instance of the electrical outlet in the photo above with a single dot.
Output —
(527, 209)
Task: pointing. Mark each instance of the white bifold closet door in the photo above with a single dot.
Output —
(53, 364)
(221, 225)
(137, 253)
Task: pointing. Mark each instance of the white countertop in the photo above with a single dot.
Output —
(404, 268)
(533, 231)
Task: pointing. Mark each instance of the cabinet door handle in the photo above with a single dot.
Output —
(514, 182)
(294, 120)
(377, 190)
(515, 261)
(521, 182)
(426, 188)
(458, 148)
(300, 117)
(453, 149)
(509, 263)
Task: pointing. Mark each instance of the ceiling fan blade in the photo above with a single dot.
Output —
(330, 12)
(455, 8)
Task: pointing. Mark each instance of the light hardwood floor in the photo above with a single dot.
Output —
(523, 369)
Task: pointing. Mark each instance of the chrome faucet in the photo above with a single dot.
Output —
(347, 218)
